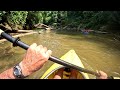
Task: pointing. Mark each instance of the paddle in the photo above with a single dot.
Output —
(17, 42)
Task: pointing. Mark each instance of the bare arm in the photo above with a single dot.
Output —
(8, 74)
(35, 58)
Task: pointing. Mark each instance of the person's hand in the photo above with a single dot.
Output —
(102, 74)
(34, 59)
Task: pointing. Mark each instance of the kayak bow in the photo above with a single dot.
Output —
(70, 57)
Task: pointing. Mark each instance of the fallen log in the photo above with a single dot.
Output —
(100, 32)
(24, 31)
(40, 25)
(19, 35)
(5, 27)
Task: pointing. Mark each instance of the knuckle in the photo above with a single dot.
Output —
(32, 47)
(40, 45)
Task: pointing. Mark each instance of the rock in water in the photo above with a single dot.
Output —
(48, 30)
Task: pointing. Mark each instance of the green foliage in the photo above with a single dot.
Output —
(115, 15)
(91, 19)
(2, 13)
(33, 17)
(82, 19)
(46, 17)
(17, 17)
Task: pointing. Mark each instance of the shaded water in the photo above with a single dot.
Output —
(97, 52)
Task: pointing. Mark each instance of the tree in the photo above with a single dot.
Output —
(17, 17)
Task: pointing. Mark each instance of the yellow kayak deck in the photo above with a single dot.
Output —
(70, 57)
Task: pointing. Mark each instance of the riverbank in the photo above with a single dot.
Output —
(20, 33)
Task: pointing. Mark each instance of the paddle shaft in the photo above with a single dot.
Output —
(54, 59)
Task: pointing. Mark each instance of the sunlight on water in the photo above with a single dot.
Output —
(96, 52)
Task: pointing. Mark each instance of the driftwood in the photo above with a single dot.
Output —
(100, 32)
(20, 35)
(24, 31)
(10, 28)
(41, 26)
(19, 31)
(5, 27)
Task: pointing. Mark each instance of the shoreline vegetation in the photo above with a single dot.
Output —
(20, 33)
(97, 22)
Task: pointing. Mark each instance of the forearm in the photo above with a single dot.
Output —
(8, 74)
(34, 59)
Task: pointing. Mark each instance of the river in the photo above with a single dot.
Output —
(97, 52)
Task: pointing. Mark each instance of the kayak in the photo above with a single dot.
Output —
(70, 57)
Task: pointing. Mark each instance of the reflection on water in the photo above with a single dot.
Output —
(97, 52)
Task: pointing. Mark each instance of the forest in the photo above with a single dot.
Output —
(95, 20)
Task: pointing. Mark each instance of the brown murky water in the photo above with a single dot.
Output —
(97, 52)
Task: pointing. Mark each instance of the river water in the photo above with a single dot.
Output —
(97, 52)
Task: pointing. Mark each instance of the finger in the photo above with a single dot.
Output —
(48, 53)
(41, 48)
(45, 49)
(38, 48)
(97, 71)
(98, 74)
(102, 73)
(33, 46)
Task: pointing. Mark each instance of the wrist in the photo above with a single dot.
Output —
(24, 69)
(17, 72)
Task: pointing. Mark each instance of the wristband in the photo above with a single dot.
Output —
(17, 72)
